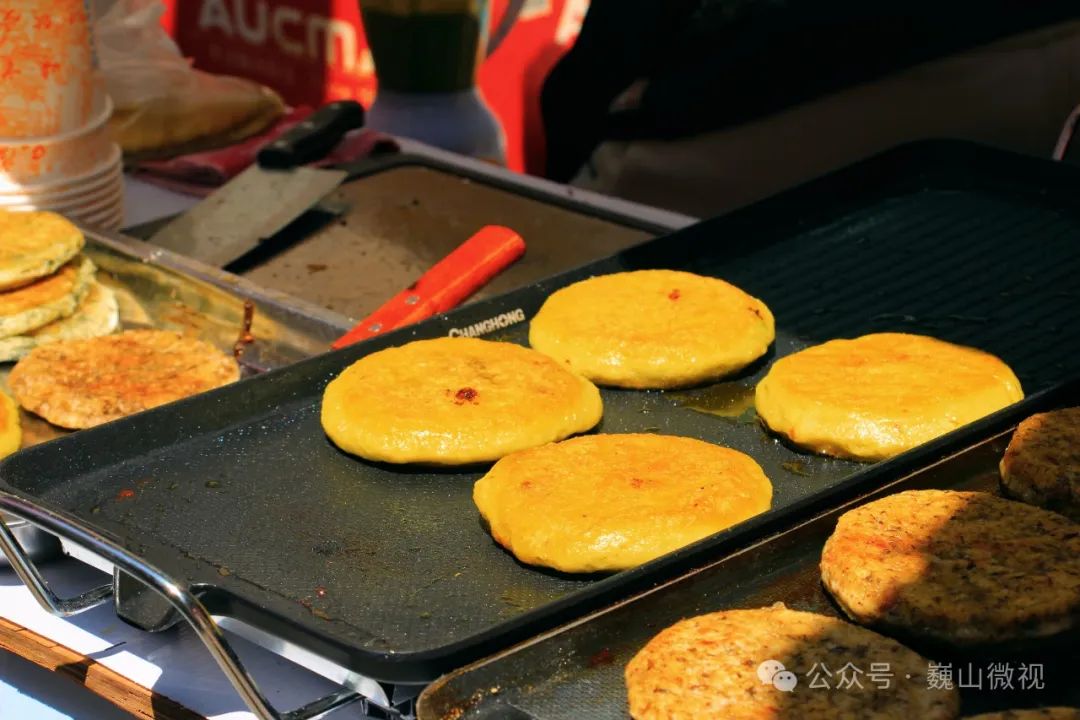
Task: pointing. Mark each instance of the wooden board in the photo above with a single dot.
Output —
(120, 691)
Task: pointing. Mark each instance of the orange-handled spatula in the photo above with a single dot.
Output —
(445, 286)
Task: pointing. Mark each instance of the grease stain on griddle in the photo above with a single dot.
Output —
(602, 658)
(517, 598)
(796, 467)
(730, 401)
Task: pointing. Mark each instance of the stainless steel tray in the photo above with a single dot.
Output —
(158, 288)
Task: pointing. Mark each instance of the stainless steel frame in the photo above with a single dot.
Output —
(182, 600)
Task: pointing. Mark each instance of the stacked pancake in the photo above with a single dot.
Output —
(48, 290)
(58, 320)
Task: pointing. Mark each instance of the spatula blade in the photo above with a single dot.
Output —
(252, 207)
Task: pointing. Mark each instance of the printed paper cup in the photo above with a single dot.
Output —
(56, 158)
(47, 74)
(92, 177)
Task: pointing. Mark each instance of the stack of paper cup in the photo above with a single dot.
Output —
(55, 149)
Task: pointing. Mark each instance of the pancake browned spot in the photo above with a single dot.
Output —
(718, 666)
(82, 383)
(1041, 466)
(33, 245)
(959, 568)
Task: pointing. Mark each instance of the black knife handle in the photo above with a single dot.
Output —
(313, 138)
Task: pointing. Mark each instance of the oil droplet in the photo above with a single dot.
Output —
(213, 484)
(726, 400)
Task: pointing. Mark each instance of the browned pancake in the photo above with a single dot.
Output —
(960, 568)
(1055, 713)
(1042, 463)
(726, 665)
(82, 383)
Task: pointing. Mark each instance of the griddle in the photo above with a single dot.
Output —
(388, 571)
(554, 677)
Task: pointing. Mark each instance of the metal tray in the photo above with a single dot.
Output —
(158, 289)
(155, 288)
(388, 571)
(555, 676)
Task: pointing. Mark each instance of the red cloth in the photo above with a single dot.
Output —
(202, 173)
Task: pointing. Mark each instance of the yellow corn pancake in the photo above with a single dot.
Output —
(98, 314)
(82, 383)
(611, 502)
(961, 568)
(1042, 463)
(455, 401)
(760, 664)
(35, 305)
(33, 245)
(653, 328)
(10, 429)
(878, 395)
(1051, 713)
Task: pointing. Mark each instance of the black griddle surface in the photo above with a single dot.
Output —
(388, 571)
(583, 665)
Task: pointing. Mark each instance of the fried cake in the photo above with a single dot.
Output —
(42, 301)
(611, 502)
(964, 569)
(878, 395)
(1041, 466)
(652, 328)
(33, 245)
(83, 383)
(717, 667)
(1052, 713)
(10, 428)
(98, 314)
(455, 401)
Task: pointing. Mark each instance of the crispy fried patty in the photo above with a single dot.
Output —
(1054, 713)
(707, 668)
(82, 383)
(97, 314)
(39, 303)
(33, 245)
(961, 568)
(1041, 466)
